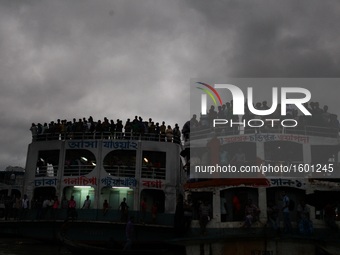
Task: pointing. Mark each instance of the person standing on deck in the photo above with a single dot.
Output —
(251, 214)
(162, 129)
(188, 209)
(64, 202)
(105, 207)
(87, 203)
(236, 208)
(205, 214)
(17, 206)
(169, 133)
(8, 202)
(25, 205)
(123, 207)
(55, 207)
(154, 212)
(177, 134)
(214, 150)
(143, 210)
(72, 213)
(287, 225)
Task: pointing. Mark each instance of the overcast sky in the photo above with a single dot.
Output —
(117, 59)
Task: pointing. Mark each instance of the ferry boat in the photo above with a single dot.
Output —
(298, 149)
(140, 167)
(105, 167)
(11, 183)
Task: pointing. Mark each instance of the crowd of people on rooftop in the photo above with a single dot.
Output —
(89, 129)
(320, 118)
(84, 128)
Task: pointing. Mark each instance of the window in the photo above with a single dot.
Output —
(153, 165)
(47, 163)
(154, 198)
(79, 162)
(234, 201)
(120, 163)
(283, 151)
(197, 199)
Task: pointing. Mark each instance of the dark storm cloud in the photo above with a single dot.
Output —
(65, 59)
(276, 38)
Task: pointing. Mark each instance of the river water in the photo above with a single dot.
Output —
(20, 246)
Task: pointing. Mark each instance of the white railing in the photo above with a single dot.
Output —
(104, 136)
(120, 170)
(306, 130)
(76, 170)
(153, 173)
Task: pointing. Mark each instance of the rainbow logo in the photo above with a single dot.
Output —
(208, 92)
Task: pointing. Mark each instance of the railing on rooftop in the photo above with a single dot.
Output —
(306, 130)
(114, 170)
(104, 135)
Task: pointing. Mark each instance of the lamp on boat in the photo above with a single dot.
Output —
(146, 160)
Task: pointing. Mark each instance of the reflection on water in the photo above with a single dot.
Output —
(21, 246)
